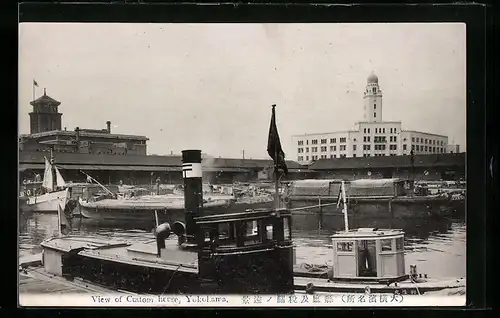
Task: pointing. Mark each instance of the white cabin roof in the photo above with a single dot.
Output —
(367, 233)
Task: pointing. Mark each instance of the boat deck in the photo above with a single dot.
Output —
(146, 255)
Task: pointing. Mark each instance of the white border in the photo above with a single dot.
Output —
(251, 301)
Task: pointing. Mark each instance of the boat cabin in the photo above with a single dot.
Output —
(247, 252)
(379, 187)
(368, 254)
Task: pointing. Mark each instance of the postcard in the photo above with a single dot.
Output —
(242, 164)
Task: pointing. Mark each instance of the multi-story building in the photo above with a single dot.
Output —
(372, 136)
(46, 134)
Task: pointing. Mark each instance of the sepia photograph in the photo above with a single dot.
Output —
(242, 164)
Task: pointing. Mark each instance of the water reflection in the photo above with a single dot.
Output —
(436, 245)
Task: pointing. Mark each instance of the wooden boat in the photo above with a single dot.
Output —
(223, 253)
(169, 208)
(382, 198)
(369, 260)
(54, 192)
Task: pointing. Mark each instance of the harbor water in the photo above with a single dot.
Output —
(437, 247)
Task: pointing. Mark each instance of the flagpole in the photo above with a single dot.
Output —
(33, 83)
(276, 154)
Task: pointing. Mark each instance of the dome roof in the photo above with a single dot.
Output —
(372, 78)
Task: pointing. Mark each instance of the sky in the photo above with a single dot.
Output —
(211, 86)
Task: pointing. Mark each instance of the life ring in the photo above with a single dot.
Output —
(28, 192)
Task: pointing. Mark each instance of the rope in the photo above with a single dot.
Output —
(170, 280)
(415, 283)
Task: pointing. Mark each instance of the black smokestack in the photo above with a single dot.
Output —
(108, 126)
(77, 137)
(193, 191)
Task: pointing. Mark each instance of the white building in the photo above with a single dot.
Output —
(372, 137)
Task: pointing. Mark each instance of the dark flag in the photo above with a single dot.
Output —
(274, 145)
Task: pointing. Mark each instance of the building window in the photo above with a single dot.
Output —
(374, 106)
(301, 142)
(307, 158)
(368, 130)
(364, 130)
(391, 130)
(368, 139)
(366, 147)
(342, 148)
(323, 141)
(404, 147)
(425, 148)
(392, 147)
(323, 149)
(332, 140)
(412, 147)
(331, 148)
(332, 156)
(300, 158)
(307, 142)
(390, 138)
(364, 139)
(395, 139)
(343, 139)
(375, 115)
(300, 150)
(383, 130)
(353, 155)
(314, 149)
(354, 147)
(412, 139)
(314, 142)
(307, 149)
(374, 90)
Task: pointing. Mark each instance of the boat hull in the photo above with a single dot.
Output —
(113, 211)
(402, 288)
(308, 215)
(46, 203)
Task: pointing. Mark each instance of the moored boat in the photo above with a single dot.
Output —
(315, 203)
(222, 253)
(53, 192)
(369, 260)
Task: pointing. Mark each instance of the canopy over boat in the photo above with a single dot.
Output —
(312, 187)
(378, 187)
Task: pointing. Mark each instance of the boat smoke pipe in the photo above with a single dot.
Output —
(193, 191)
(108, 126)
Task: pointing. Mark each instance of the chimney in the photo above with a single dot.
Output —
(77, 137)
(193, 192)
(77, 130)
(108, 124)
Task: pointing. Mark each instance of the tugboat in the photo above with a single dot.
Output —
(249, 252)
(369, 259)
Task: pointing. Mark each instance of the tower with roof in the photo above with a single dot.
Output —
(45, 115)
(372, 100)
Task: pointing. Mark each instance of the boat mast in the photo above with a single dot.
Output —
(344, 209)
(276, 171)
(52, 170)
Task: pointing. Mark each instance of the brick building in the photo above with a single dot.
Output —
(46, 134)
